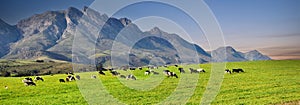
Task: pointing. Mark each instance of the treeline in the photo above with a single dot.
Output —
(18, 69)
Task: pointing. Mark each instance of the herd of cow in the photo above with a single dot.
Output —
(150, 70)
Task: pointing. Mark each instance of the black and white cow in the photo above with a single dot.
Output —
(70, 78)
(147, 72)
(93, 76)
(193, 70)
(201, 70)
(227, 71)
(28, 81)
(132, 77)
(170, 74)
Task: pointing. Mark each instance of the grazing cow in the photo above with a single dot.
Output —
(61, 80)
(6, 87)
(201, 70)
(114, 73)
(101, 72)
(140, 68)
(165, 66)
(181, 70)
(227, 71)
(176, 65)
(70, 78)
(155, 73)
(170, 74)
(77, 77)
(132, 68)
(122, 76)
(193, 71)
(28, 81)
(132, 77)
(237, 70)
(147, 72)
(38, 78)
(39, 61)
(93, 76)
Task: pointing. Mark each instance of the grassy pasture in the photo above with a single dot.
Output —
(264, 82)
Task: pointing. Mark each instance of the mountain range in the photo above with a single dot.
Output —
(52, 35)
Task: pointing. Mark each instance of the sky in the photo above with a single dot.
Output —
(269, 26)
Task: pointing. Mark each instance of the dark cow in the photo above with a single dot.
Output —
(140, 68)
(155, 73)
(39, 61)
(237, 70)
(38, 78)
(227, 71)
(132, 68)
(77, 77)
(181, 70)
(132, 77)
(176, 65)
(147, 72)
(122, 76)
(101, 72)
(114, 73)
(61, 80)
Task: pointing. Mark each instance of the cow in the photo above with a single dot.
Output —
(227, 71)
(147, 72)
(201, 70)
(132, 77)
(101, 72)
(193, 71)
(140, 68)
(176, 65)
(93, 76)
(181, 70)
(38, 78)
(170, 74)
(114, 73)
(132, 68)
(155, 73)
(70, 78)
(61, 80)
(28, 81)
(122, 76)
(6, 87)
(77, 77)
(237, 70)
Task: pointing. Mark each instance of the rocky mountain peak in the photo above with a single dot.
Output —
(125, 21)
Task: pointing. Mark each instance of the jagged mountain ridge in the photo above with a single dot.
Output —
(51, 34)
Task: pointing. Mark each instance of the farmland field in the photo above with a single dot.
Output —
(263, 82)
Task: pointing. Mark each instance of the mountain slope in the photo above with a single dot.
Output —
(55, 34)
(8, 35)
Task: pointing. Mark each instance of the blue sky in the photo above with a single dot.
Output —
(270, 26)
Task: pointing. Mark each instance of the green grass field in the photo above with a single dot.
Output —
(264, 82)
